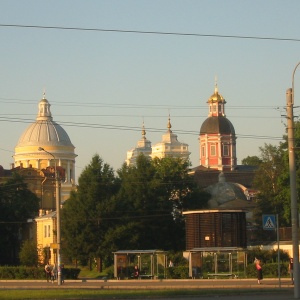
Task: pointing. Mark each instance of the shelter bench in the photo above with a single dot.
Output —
(229, 275)
(145, 276)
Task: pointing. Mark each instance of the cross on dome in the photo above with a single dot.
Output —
(169, 125)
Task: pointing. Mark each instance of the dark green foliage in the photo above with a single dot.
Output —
(269, 259)
(270, 270)
(28, 254)
(251, 161)
(109, 271)
(154, 193)
(272, 180)
(17, 205)
(88, 214)
(22, 272)
(266, 256)
(139, 209)
(179, 272)
(177, 258)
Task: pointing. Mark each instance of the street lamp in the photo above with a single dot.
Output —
(293, 188)
(57, 198)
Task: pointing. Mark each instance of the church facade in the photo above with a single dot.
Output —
(143, 147)
(168, 147)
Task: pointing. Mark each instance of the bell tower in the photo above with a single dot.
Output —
(217, 137)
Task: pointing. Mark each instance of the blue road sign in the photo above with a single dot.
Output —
(269, 222)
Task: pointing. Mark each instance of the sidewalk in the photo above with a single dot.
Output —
(226, 289)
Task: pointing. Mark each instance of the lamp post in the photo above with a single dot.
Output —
(57, 201)
(293, 188)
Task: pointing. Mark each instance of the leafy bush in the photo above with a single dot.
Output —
(266, 256)
(269, 270)
(28, 254)
(178, 272)
(109, 272)
(22, 272)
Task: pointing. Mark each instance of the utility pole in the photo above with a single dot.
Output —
(293, 188)
(58, 230)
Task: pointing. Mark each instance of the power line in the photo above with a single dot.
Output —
(136, 116)
(151, 32)
(128, 128)
(132, 105)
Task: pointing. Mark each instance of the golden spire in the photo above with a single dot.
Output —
(143, 130)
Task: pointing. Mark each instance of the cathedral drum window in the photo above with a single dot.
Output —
(226, 150)
(213, 150)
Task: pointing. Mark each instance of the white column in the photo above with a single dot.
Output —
(68, 179)
(206, 151)
(38, 166)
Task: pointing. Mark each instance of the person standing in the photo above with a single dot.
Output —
(291, 269)
(53, 273)
(136, 273)
(259, 270)
(62, 272)
(48, 272)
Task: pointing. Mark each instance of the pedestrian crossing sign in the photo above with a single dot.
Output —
(269, 222)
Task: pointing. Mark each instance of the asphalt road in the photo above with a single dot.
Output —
(269, 289)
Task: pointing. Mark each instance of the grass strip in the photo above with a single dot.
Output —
(128, 294)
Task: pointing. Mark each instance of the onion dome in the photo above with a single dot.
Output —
(217, 125)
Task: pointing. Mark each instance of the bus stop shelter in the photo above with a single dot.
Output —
(227, 262)
(151, 263)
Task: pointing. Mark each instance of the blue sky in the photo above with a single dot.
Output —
(117, 80)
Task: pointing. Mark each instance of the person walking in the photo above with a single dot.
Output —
(259, 270)
(291, 269)
(48, 272)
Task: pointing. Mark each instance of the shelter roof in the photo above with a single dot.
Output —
(139, 251)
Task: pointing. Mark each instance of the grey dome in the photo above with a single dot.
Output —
(226, 195)
(217, 124)
(44, 131)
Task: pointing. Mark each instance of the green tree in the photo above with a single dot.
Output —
(86, 215)
(140, 209)
(273, 179)
(28, 254)
(17, 205)
(269, 180)
(155, 193)
(251, 161)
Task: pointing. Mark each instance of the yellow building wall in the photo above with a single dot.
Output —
(46, 236)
